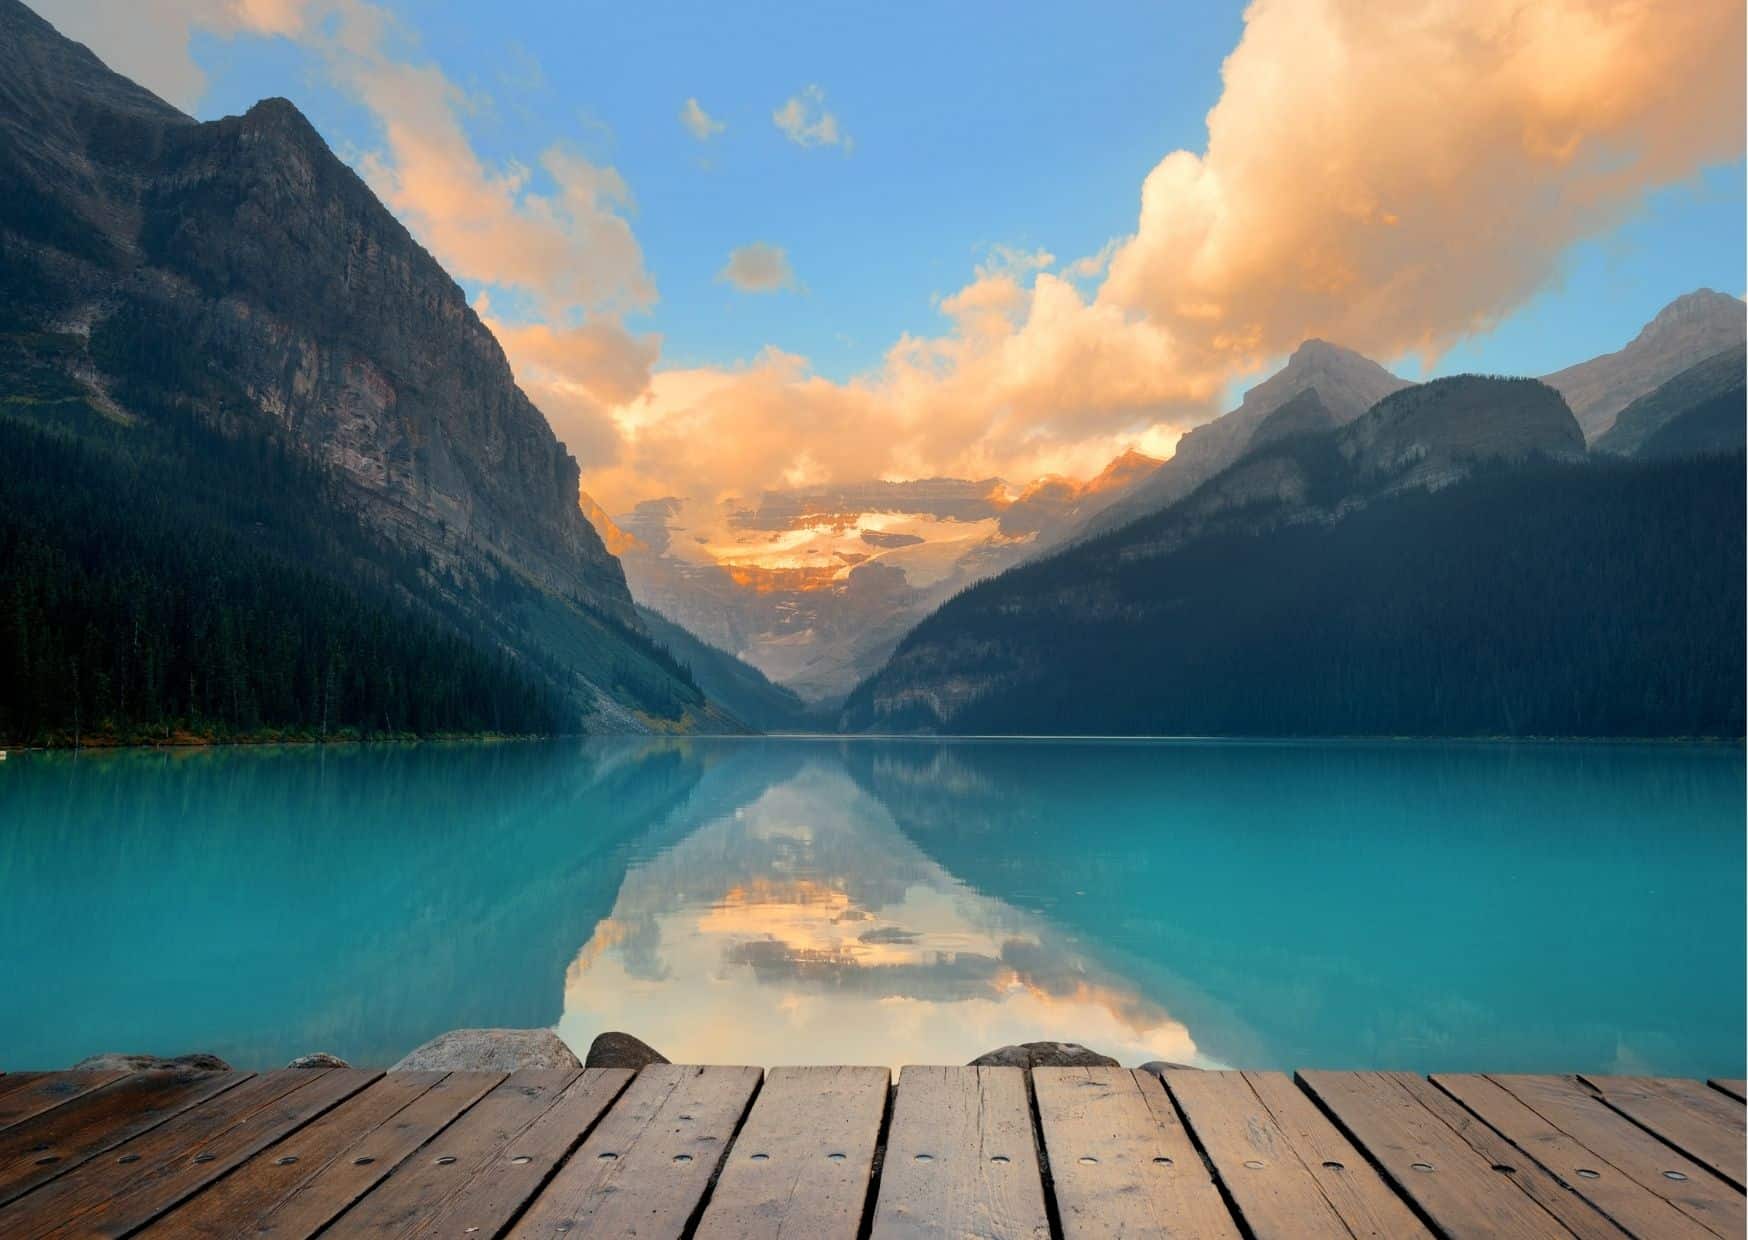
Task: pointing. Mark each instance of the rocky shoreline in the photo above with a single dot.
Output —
(515, 1050)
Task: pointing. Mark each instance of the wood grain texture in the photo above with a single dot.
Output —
(417, 1189)
(49, 1145)
(498, 1191)
(244, 1200)
(647, 1166)
(29, 1094)
(1576, 1110)
(1580, 1217)
(1371, 1208)
(961, 1157)
(1120, 1160)
(690, 1153)
(110, 1197)
(1272, 1186)
(347, 1179)
(1698, 1121)
(817, 1130)
(1632, 1206)
(1735, 1088)
(1427, 1161)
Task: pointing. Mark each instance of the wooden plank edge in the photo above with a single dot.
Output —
(8, 1197)
(371, 1076)
(1201, 1151)
(1693, 1156)
(1734, 1088)
(1400, 1189)
(558, 1163)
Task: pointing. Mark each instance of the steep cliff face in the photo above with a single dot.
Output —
(239, 273)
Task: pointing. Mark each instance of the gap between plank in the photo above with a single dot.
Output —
(1377, 1165)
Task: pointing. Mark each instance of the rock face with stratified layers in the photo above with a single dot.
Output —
(237, 273)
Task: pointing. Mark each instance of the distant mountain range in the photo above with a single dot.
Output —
(174, 292)
(268, 473)
(1452, 562)
(879, 557)
(892, 552)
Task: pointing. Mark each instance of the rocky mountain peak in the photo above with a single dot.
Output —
(1702, 306)
(1688, 330)
(1348, 383)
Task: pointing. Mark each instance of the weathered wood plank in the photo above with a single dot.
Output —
(961, 1158)
(414, 1191)
(10, 1081)
(109, 1197)
(1268, 1181)
(242, 1201)
(1270, 1185)
(1426, 1160)
(1120, 1160)
(1735, 1088)
(1700, 1122)
(1580, 1217)
(32, 1093)
(499, 1190)
(817, 1129)
(647, 1165)
(1370, 1207)
(49, 1145)
(1575, 1110)
(1635, 1208)
(348, 1178)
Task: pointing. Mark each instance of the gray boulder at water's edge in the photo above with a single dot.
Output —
(321, 1059)
(1160, 1066)
(1044, 1055)
(115, 1061)
(621, 1050)
(490, 1050)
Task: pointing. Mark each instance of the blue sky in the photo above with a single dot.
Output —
(974, 125)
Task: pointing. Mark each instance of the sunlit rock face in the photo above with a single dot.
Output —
(815, 586)
(804, 927)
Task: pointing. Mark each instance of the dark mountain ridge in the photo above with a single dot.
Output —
(1448, 564)
(1702, 409)
(1346, 385)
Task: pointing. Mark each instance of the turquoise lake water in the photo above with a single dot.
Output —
(1414, 906)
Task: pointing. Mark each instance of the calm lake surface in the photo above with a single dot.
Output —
(1413, 906)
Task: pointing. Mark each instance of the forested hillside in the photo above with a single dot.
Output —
(1529, 598)
(144, 596)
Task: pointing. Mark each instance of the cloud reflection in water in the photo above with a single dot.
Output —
(804, 927)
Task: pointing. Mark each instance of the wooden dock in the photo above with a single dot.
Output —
(717, 1152)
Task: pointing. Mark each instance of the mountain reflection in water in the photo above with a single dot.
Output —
(1412, 906)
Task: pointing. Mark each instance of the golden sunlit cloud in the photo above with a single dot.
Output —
(1393, 178)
